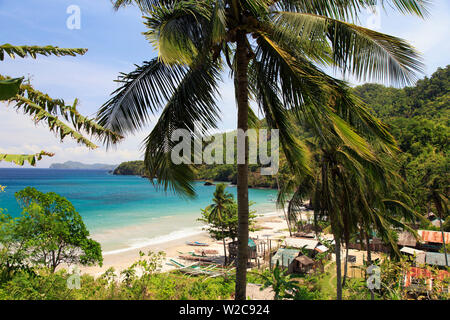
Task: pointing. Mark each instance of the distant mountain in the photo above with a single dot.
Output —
(82, 166)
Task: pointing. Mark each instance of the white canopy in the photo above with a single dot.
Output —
(411, 251)
(309, 244)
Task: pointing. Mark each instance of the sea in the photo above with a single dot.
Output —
(123, 212)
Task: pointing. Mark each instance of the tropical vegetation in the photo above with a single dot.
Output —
(274, 51)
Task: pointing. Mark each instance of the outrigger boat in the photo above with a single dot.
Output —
(196, 269)
(197, 244)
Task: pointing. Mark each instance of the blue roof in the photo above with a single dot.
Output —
(284, 256)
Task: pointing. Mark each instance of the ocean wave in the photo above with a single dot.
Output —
(144, 242)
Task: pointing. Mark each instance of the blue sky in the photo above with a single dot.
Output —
(115, 44)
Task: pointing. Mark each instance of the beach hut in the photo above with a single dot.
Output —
(300, 243)
(303, 264)
(293, 260)
(252, 249)
(285, 258)
(432, 240)
(436, 259)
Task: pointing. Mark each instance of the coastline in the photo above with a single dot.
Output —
(269, 223)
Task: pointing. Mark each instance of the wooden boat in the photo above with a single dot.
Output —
(204, 252)
(196, 243)
(196, 258)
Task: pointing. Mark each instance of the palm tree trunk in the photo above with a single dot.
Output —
(241, 89)
(369, 252)
(338, 268)
(369, 259)
(345, 265)
(224, 248)
(284, 209)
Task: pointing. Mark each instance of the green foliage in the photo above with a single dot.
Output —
(21, 159)
(41, 284)
(49, 232)
(42, 108)
(418, 119)
(33, 51)
(9, 88)
(131, 168)
(221, 217)
(286, 286)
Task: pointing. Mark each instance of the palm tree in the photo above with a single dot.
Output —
(436, 191)
(357, 191)
(275, 50)
(219, 210)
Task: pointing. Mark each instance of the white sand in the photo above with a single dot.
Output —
(273, 225)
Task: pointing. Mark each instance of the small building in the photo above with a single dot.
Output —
(293, 260)
(421, 279)
(406, 239)
(434, 237)
(303, 264)
(432, 240)
(436, 259)
(302, 234)
(300, 243)
(252, 249)
(284, 258)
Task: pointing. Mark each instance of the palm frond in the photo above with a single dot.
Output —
(349, 9)
(33, 51)
(9, 87)
(179, 32)
(276, 115)
(191, 106)
(367, 54)
(57, 107)
(20, 159)
(145, 90)
(55, 125)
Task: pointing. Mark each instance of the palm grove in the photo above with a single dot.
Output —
(275, 52)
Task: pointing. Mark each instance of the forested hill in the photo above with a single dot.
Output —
(429, 98)
(418, 116)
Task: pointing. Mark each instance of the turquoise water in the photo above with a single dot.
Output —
(122, 212)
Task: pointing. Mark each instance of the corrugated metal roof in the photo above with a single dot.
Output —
(434, 236)
(406, 239)
(284, 256)
(411, 250)
(436, 259)
(301, 243)
(305, 260)
(321, 248)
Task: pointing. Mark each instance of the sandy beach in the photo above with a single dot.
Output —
(272, 225)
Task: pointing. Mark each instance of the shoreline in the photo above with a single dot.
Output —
(271, 222)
